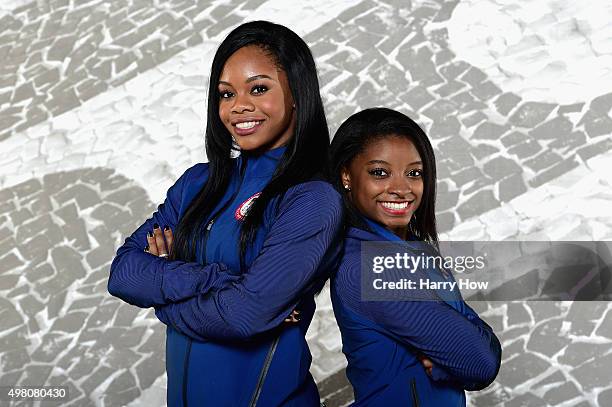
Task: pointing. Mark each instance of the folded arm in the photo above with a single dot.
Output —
(462, 347)
(144, 280)
(303, 237)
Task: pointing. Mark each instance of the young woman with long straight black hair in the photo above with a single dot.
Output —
(400, 353)
(255, 236)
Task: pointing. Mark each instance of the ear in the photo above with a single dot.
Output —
(291, 101)
(345, 177)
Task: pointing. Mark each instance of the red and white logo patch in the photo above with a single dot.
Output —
(243, 209)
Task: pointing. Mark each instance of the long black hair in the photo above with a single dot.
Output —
(306, 151)
(364, 127)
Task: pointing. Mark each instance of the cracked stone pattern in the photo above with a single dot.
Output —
(531, 47)
(56, 54)
(497, 154)
(554, 353)
(59, 235)
(491, 145)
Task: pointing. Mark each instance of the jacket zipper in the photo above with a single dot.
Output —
(205, 241)
(212, 220)
(264, 372)
(415, 396)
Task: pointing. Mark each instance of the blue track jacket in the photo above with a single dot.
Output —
(226, 343)
(381, 339)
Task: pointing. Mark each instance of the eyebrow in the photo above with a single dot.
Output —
(384, 162)
(249, 80)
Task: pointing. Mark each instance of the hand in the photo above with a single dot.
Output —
(427, 364)
(155, 241)
(157, 247)
(294, 318)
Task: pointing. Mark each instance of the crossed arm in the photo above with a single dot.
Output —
(145, 280)
(160, 244)
(204, 301)
(451, 341)
(300, 245)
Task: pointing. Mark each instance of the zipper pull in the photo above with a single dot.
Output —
(209, 226)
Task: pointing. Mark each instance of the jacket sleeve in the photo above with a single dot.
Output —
(439, 371)
(462, 347)
(303, 236)
(145, 280)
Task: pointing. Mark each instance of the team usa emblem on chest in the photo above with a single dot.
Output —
(244, 207)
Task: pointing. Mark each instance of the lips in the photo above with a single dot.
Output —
(396, 208)
(395, 205)
(246, 126)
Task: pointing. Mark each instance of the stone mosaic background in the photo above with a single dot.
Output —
(102, 108)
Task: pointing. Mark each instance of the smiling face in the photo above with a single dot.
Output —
(255, 102)
(386, 182)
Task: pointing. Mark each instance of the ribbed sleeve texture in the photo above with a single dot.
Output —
(302, 235)
(462, 346)
(145, 280)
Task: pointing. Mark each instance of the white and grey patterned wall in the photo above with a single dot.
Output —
(102, 107)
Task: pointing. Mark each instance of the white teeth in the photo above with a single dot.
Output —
(393, 205)
(247, 125)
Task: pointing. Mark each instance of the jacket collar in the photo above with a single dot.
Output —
(380, 233)
(377, 232)
(264, 164)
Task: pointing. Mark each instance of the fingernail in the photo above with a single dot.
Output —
(150, 234)
(166, 227)
(155, 226)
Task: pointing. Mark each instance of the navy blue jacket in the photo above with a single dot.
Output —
(226, 344)
(381, 339)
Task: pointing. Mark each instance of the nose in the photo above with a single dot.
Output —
(399, 186)
(242, 103)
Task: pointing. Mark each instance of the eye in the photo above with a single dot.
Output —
(259, 89)
(225, 94)
(415, 173)
(378, 172)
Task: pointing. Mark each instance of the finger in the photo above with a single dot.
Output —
(169, 238)
(152, 244)
(427, 363)
(159, 240)
(292, 318)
